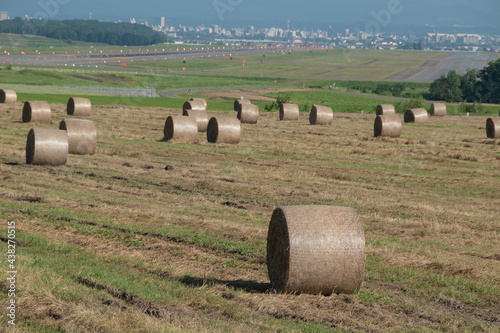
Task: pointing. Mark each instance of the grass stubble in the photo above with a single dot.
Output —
(115, 242)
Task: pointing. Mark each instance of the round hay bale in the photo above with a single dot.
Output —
(238, 102)
(47, 147)
(387, 125)
(82, 136)
(493, 128)
(79, 107)
(224, 130)
(200, 116)
(289, 111)
(384, 109)
(181, 129)
(202, 100)
(8, 96)
(321, 115)
(38, 111)
(416, 116)
(438, 109)
(248, 113)
(193, 105)
(315, 250)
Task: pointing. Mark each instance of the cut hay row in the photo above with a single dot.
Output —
(8, 96)
(315, 249)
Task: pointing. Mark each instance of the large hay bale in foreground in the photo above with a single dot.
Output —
(493, 128)
(387, 125)
(201, 100)
(201, 117)
(181, 129)
(248, 113)
(8, 96)
(82, 136)
(238, 102)
(384, 109)
(79, 107)
(320, 115)
(47, 147)
(289, 111)
(416, 116)
(438, 109)
(38, 111)
(315, 250)
(224, 130)
(193, 105)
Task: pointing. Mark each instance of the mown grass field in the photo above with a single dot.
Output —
(116, 243)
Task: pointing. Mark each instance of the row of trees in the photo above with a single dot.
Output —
(86, 31)
(474, 86)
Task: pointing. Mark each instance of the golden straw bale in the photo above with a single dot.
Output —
(201, 117)
(193, 105)
(8, 96)
(79, 107)
(493, 128)
(46, 147)
(82, 136)
(384, 109)
(438, 109)
(38, 111)
(289, 111)
(224, 130)
(238, 102)
(315, 250)
(248, 113)
(181, 129)
(202, 100)
(416, 116)
(320, 115)
(387, 125)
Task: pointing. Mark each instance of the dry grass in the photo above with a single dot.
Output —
(183, 249)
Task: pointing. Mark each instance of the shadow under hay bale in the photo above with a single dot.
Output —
(320, 115)
(388, 125)
(315, 250)
(181, 129)
(79, 107)
(36, 111)
(238, 102)
(8, 96)
(82, 136)
(248, 113)
(384, 109)
(438, 110)
(47, 147)
(193, 105)
(493, 128)
(201, 117)
(224, 130)
(201, 100)
(289, 111)
(416, 116)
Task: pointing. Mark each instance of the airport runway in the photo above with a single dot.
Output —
(433, 69)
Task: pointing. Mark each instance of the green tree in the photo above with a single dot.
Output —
(468, 85)
(438, 88)
(452, 91)
(488, 86)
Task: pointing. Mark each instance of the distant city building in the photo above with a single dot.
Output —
(4, 16)
(162, 22)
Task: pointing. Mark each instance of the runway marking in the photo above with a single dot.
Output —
(410, 78)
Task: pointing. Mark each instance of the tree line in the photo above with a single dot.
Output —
(85, 31)
(474, 86)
